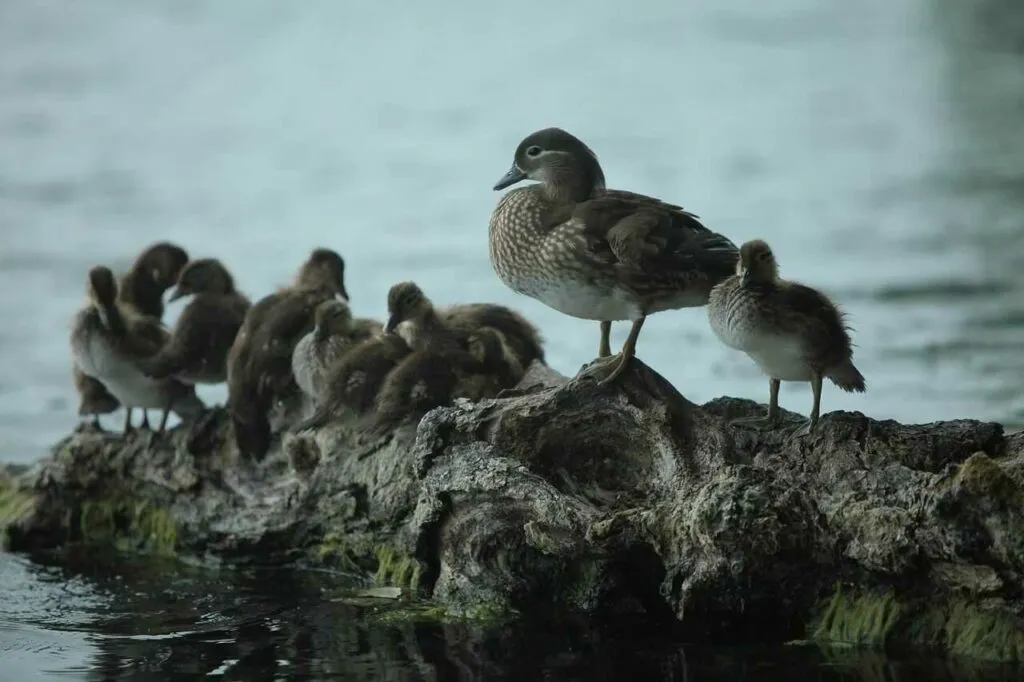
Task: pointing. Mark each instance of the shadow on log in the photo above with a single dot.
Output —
(606, 501)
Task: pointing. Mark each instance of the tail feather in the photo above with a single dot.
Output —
(847, 377)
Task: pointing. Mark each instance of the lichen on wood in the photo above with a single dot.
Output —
(605, 500)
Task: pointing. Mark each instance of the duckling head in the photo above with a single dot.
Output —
(203, 276)
(332, 317)
(757, 262)
(554, 156)
(102, 287)
(163, 261)
(406, 303)
(486, 345)
(324, 267)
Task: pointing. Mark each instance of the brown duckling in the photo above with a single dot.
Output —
(260, 360)
(198, 349)
(597, 253)
(109, 340)
(519, 335)
(142, 287)
(352, 382)
(792, 332)
(334, 332)
(93, 397)
(497, 367)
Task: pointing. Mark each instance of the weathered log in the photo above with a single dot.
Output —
(600, 500)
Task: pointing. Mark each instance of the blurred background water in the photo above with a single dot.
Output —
(876, 145)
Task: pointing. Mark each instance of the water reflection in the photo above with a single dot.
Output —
(111, 619)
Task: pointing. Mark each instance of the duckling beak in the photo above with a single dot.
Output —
(176, 294)
(745, 275)
(391, 325)
(510, 178)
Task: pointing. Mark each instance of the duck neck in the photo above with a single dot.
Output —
(573, 184)
(321, 333)
(430, 333)
(111, 317)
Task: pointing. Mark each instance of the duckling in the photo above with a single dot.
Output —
(352, 382)
(334, 332)
(792, 332)
(260, 360)
(439, 368)
(155, 270)
(596, 253)
(93, 397)
(198, 348)
(518, 335)
(108, 341)
(497, 365)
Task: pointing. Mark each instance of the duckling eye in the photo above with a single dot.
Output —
(533, 151)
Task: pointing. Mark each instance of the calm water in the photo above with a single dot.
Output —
(876, 145)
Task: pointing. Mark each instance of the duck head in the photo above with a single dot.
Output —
(326, 268)
(557, 159)
(406, 303)
(102, 286)
(332, 317)
(757, 262)
(203, 276)
(163, 262)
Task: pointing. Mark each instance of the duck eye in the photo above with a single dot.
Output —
(533, 151)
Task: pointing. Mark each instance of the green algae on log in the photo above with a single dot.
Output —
(609, 501)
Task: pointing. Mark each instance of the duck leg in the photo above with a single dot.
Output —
(155, 436)
(605, 349)
(127, 421)
(816, 408)
(769, 420)
(627, 353)
(145, 420)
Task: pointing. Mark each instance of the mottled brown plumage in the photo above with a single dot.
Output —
(205, 330)
(109, 340)
(791, 331)
(154, 270)
(595, 253)
(521, 337)
(260, 360)
(353, 382)
(334, 332)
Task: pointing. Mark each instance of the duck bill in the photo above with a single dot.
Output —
(510, 178)
(391, 325)
(745, 276)
(176, 294)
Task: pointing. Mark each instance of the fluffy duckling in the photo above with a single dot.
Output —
(198, 348)
(108, 341)
(352, 383)
(334, 332)
(142, 287)
(497, 364)
(155, 270)
(519, 336)
(792, 332)
(93, 397)
(260, 360)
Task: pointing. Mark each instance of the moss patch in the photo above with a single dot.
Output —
(128, 524)
(380, 562)
(879, 619)
(14, 504)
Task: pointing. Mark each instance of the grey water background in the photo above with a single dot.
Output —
(876, 145)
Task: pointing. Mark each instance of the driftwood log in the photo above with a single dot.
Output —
(608, 501)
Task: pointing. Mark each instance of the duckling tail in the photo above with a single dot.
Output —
(848, 377)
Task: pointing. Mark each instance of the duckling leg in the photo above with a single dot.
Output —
(815, 409)
(770, 419)
(605, 349)
(144, 424)
(627, 353)
(127, 421)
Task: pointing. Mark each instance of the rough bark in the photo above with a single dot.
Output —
(599, 500)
